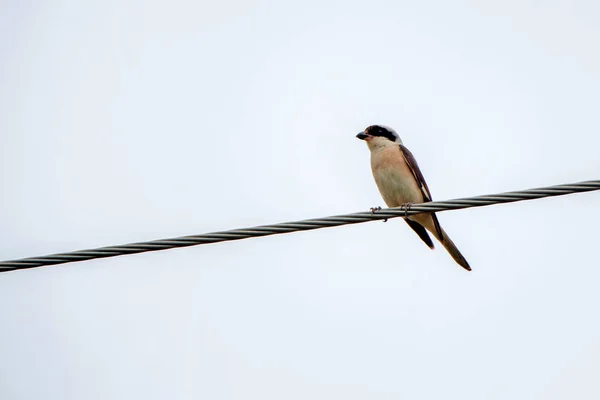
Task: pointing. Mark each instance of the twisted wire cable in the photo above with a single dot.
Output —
(304, 225)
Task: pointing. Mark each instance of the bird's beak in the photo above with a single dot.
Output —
(362, 136)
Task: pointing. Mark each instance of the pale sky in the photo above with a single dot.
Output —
(126, 121)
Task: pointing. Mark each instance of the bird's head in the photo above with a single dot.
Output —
(379, 136)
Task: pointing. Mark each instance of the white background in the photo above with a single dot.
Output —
(128, 121)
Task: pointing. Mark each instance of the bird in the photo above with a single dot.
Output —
(401, 183)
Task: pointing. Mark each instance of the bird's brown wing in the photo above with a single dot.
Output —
(421, 231)
(416, 171)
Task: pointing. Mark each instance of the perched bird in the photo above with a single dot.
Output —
(401, 183)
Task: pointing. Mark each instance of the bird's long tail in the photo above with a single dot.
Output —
(453, 250)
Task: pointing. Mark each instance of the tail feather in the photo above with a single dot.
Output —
(430, 222)
(454, 252)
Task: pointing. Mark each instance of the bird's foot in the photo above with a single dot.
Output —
(407, 207)
(375, 209)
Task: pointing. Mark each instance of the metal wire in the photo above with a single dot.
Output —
(309, 224)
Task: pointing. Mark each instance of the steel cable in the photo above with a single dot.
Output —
(309, 224)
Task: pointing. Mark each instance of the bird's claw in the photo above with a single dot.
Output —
(406, 207)
(375, 209)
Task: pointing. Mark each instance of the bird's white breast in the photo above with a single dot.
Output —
(394, 178)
